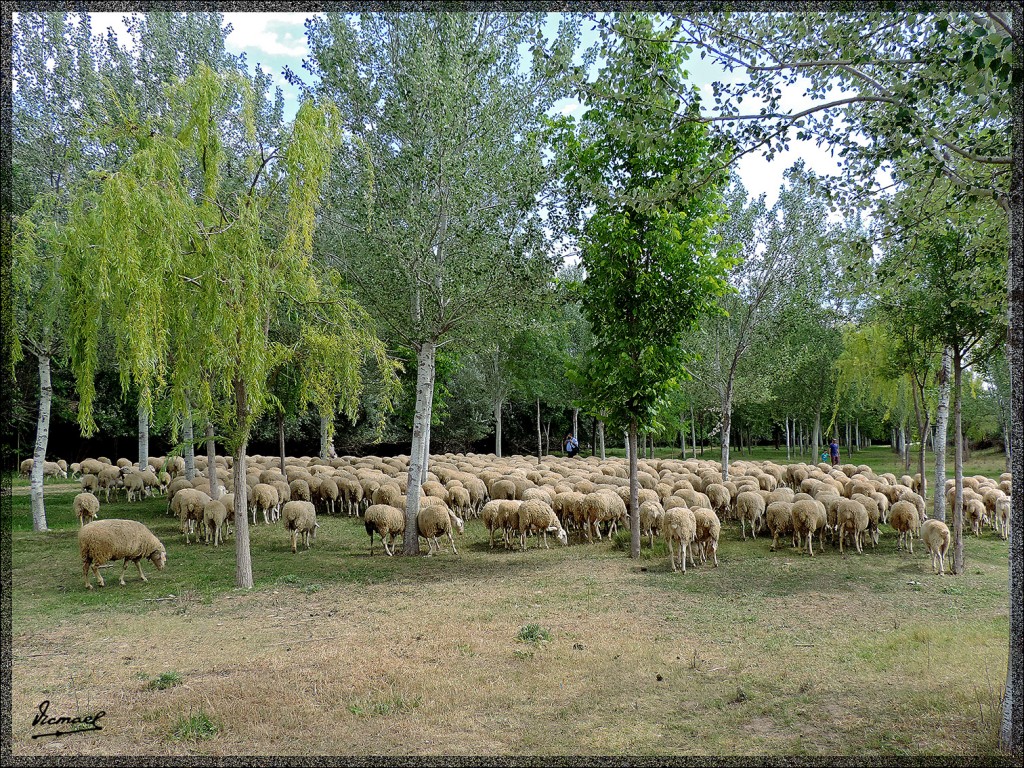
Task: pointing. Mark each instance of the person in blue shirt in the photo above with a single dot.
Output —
(572, 446)
(833, 449)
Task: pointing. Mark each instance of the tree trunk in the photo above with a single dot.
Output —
(904, 438)
(540, 436)
(693, 434)
(958, 468)
(280, 439)
(726, 430)
(634, 509)
(211, 462)
(593, 436)
(188, 436)
(625, 444)
(42, 438)
(1011, 726)
(921, 413)
(857, 427)
(425, 357)
(243, 556)
(682, 435)
(816, 442)
(497, 427)
(575, 423)
(600, 432)
(323, 438)
(547, 438)
(143, 438)
(941, 420)
(787, 438)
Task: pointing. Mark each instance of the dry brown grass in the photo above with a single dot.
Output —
(635, 666)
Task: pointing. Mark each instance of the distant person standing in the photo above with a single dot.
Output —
(833, 450)
(572, 446)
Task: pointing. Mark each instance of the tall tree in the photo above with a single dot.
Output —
(434, 213)
(203, 247)
(648, 248)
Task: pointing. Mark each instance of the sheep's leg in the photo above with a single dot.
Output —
(142, 576)
(99, 576)
(452, 540)
(295, 536)
(714, 552)
(672, 556)
(910, 539)
(743, 527)
(775, 540)
(85, 573)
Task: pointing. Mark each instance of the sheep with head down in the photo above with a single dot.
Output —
(536, 516)
(434, 520)
(105, 540)
(679, 526)
(87, 508)
(386, 521)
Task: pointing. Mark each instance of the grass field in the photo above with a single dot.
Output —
(575, 650)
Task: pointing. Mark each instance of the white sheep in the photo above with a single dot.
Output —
(537, 516)
(709, 528)
(87, 508)
(215, 514)
(387, 521)
(935, 535)
(750, 508)
(105, 540)
(264, 499)
(434, 520)
(904, 519)
(300, 518)
(852, 518)
(679, 525)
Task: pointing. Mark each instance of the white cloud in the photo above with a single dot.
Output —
(275, 34)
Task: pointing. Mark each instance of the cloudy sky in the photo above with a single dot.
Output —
(277, 40)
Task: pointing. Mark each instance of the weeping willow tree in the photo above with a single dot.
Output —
(186, 252)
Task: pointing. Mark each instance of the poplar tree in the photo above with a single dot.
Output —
(638, 163)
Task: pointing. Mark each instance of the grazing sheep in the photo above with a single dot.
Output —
(299, 490)
(709, 528)
(874, 516)
(26, 467)
(935, 535)
(650, 519)
(105, 540)
(852, 518)
(1002, 517)
(537, 516)
(327, 494)
(437, 519)
(109, 479)
(679, 526)
(808, 516)
(89, 483)
(188, 505)
(503, 490)
(459, 501)
(974, 510)
(135, 486)
(300, 518)
(778, 518)
(215, 514)
(53, 469)
(750, 508)
(87, 508)
(719, 497)
(386, 493)
(387, 521)
(264, 499)
(903, 517)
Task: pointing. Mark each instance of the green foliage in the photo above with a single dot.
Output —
(533, 633)
(647, 246)
(196, 726)
(164, 681)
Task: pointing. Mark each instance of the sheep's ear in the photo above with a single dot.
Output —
(552, 528)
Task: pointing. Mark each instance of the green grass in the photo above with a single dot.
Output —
(533, 633)
(196, 726)
(163, 681)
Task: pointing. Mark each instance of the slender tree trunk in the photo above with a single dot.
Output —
(693, 434)
(921, 413)
(600, 433)
(634, 509)
(426, 432)
(143, 438)
(941, 420)
(547, 438)
(816, 445)
(726, 428)
(211, 462)
(497, 427)
(42, 438)
(280, 439)
(593, 436)
(857, 428)
(188, 435)
(1011, 727)
(682, 435)
(575, 423)
(243, 556)
(958, 467)
(425, 358)
(905, 439)
(787, 439)
(540, 436)
(625, 443)
(849, 443)
(323, 438)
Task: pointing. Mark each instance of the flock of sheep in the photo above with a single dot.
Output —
(683, 501)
